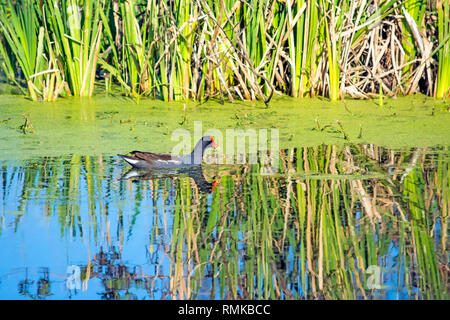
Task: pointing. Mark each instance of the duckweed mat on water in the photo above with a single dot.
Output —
(113, 124)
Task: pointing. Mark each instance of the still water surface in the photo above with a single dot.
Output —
(336, 222)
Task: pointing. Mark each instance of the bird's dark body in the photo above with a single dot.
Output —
(149, 160)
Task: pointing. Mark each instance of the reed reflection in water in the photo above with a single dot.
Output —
(351, 222)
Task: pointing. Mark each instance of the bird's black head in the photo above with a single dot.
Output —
(208, 142)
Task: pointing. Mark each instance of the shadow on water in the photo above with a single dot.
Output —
(351, 222)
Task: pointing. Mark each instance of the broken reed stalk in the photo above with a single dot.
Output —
(346, 137)
(27, 126)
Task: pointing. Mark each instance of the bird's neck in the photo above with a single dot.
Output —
(197, 154)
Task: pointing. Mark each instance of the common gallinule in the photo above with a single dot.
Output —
(149, 160)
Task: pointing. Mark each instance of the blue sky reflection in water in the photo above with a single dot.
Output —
(227, 232)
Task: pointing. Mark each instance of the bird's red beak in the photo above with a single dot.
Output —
(214, 185)
(214, 144)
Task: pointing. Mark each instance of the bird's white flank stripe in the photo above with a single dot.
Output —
(169, 161)
(132, 161)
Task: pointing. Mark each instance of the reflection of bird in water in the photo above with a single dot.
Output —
(196, 173)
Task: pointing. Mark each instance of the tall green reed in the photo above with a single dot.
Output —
(77, 31)
(443, 77)
(27, 43)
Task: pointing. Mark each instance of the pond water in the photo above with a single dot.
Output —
(336, 222)
(356, 210)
